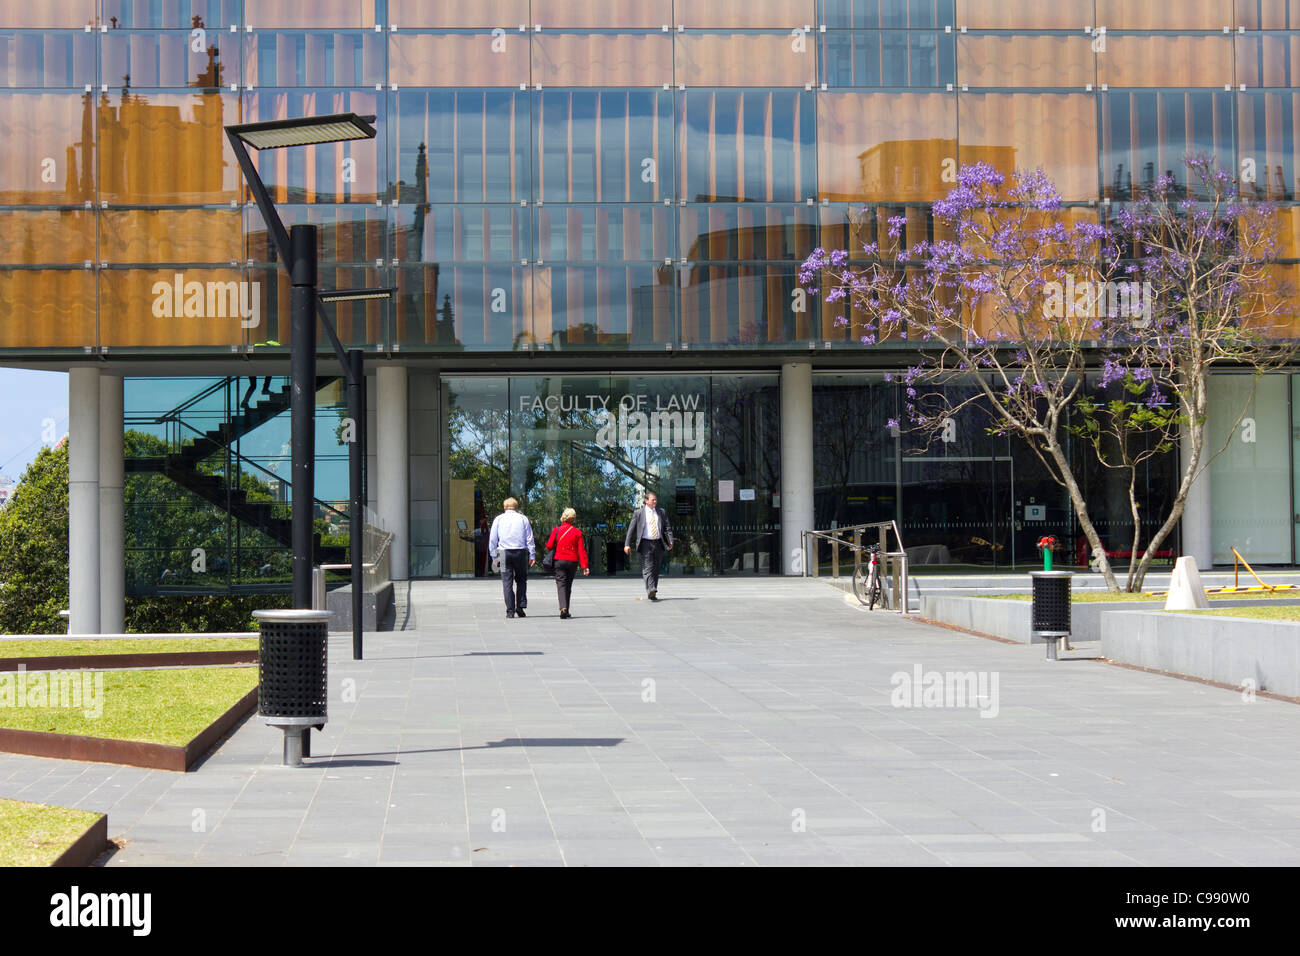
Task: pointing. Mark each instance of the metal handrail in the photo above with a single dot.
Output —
(837, 537)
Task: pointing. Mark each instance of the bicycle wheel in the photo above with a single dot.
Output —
(860, 585)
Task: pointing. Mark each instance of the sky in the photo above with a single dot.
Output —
(33, 406)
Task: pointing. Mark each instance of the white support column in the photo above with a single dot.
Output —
(112, 535)
(796, 462)
(83, 501)
(391, 475)
(1198, 527)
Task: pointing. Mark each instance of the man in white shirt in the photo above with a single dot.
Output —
(651, 534)
(512, 537)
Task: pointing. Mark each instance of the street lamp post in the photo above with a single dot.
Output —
(296, 249)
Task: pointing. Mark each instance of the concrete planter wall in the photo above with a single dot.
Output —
(1010, 619)
(1231, 650)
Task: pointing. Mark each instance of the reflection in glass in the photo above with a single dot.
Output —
(352, 171)
(1267, 143)
(746, 145)
(606, 146)
(1149, 134)
(475, 146)
(49, 148)
(314, 59)
(878, 147)
(886, 14)
(46, 59)
(156, 59)
(887, 58)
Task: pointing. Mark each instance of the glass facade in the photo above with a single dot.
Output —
(707, 445)
(554, 175)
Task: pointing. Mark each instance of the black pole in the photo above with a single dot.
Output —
(356, 527)
(302, 363)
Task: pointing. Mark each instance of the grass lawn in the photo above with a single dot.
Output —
(61, 647)
(156, 706)
(32, 834)
(1290, 613)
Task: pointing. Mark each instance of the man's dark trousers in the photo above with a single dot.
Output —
(514, 576)
(652, 557)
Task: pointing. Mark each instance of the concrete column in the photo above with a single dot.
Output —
(112, 534)
(83, 501)
(796, 462)
(392, 490)
(1198, 528)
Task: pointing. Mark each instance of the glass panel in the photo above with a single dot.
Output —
(1056, 132)
(171, 14)
(1026, 14)
(47, 148)
(886, 147)
(145, 60)
(1267, 60)
(1017, 61)
(347, 233)
(601, 306)
(1166, 61)
(183, 307)
(65, 14)
(747, 14)
(466, 307)
(745, 59)
(57, 306)
(65, 236)
(1268, 139)
(172, 235)
(887, 58)
(47, 60)
(1249, 482)
(609, 15)
(463, 146)
(1184, 15)
(886, 14)
(605, 232)
(486, 233)
(746, 145)
(314, 59)
(477, 450)
(321, 14)
(855, 458)
(352, 171)
(1268, 14)
(718, 232)
(507, 14)
(167, 148)
(744, 433)
(1145, 134)
(459, 60)
(745, 305)
(607, 146)
(604, 59)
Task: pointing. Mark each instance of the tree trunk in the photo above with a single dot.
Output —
(1137, 530)
(1081, 512)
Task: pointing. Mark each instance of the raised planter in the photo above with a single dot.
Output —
(1009, 619)
(1230, 650)
(132, 753)
(88, 847)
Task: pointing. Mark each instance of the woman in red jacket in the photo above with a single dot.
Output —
(570, 552)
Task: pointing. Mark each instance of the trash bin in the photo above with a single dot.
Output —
(292, 658)
(1049, 614)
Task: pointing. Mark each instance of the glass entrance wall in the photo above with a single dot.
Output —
(706, 445)
(1249, 488)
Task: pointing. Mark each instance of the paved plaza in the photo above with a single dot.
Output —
(753, 721)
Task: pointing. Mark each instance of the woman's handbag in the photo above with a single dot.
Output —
(548, 559)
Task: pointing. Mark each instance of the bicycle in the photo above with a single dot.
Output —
(866, 581)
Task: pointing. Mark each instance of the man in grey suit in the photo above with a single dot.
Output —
(651, 534)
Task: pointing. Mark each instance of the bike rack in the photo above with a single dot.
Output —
(850, 537)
